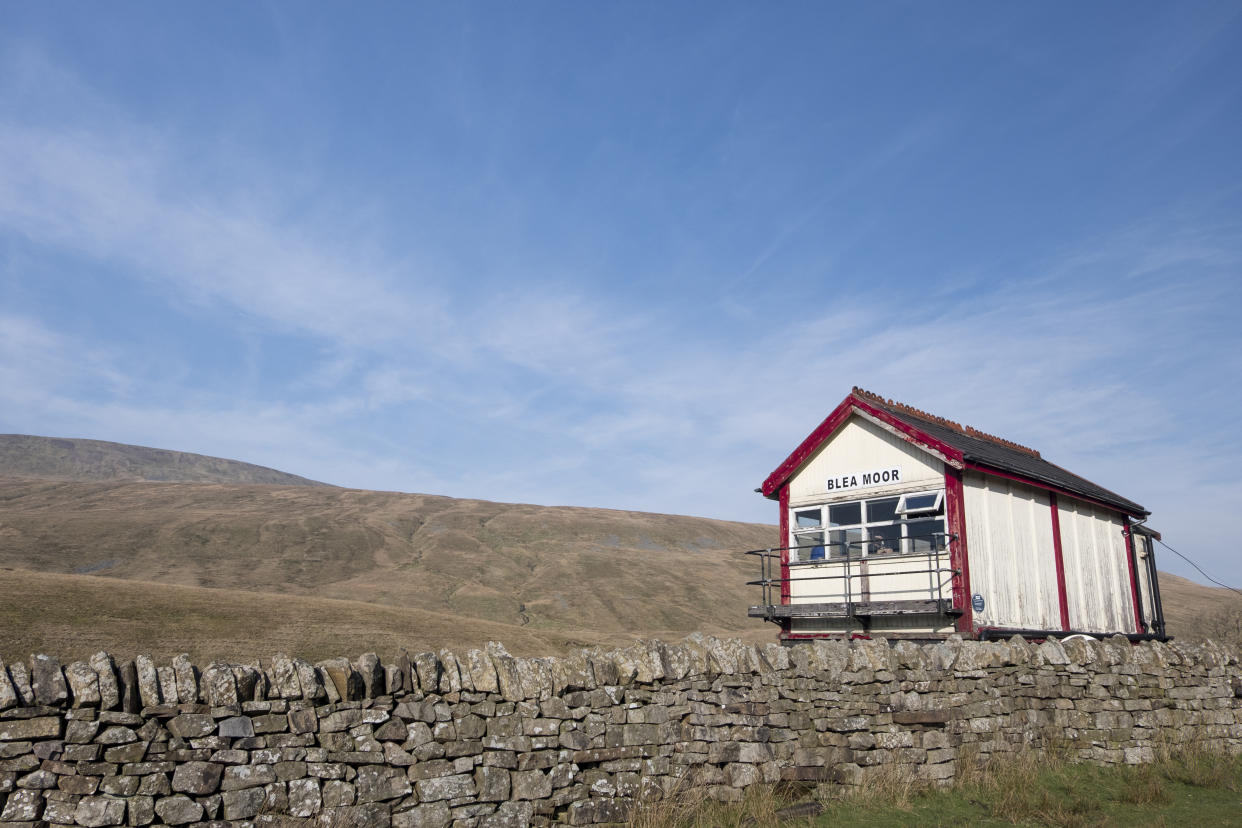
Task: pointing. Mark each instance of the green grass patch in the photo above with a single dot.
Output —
(1183, 787)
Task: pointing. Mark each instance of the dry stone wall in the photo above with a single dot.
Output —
(487, 739)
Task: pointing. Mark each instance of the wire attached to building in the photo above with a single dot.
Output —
(1196, 566)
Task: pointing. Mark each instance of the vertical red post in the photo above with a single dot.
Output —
(959, 558)
(786, 624)
(785, 544)
(1130, 568)
(1062, 595)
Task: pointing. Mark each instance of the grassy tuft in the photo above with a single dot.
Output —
(1186, 785)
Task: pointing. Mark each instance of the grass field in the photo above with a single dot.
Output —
(73, 616)
(1187, 788)
(239, 571)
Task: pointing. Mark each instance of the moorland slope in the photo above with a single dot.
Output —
(57, 458)
(573, 573)
(223, 569)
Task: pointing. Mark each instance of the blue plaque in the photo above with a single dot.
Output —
(976, 602)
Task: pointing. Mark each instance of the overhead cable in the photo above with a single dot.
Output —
(1196, 566)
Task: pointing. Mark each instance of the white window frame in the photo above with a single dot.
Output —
(903, 509)
(902, 520)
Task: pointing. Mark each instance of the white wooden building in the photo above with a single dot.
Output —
(899, 523)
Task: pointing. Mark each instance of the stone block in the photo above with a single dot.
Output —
(456, 786)
(191, 725)
(371, 671)
(304, 720)
(198, 778)
(148, 681)
(106, 680)
(242, 804)
(534, 784)
(312, 684)
(431, 815)
(47, 680)
(20, 678)
(118, 785)
(219, 686)
(336, 793)
(492, 783)
(237, 727)
(305, 799)
(178, 810)
(22, 806)
(8, 693)
(43, 727)
(237, 777)
(40, 780)
(122, 754)
(80, 785)
(83, 684)
(379, 783)
(96, 811)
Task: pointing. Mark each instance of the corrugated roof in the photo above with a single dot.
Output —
(997, 453)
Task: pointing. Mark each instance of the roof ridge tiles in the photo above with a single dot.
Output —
(968, 431)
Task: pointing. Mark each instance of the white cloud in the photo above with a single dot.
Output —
(603, 403)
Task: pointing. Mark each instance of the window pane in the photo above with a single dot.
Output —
(845, 514)
(808, 517)
(883, 540)
(811, 546)
(884, 509)
(919, 502)
(926, 535)
(845, 541)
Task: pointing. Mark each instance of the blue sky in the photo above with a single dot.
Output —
(628, 255)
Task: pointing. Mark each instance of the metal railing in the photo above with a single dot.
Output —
(857, 564)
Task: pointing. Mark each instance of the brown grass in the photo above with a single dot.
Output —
(690, 807)
(435, 571)
(1194, 612)
(73, 616)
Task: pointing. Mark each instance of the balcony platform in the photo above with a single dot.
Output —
(854, 609)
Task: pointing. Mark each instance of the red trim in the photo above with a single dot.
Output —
(1130, 568)
(1062, 595)
(1047, 487)
(959, 556)
(785, 545)
(829, 426)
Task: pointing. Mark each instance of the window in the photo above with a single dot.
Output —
(909, 524)
(923, 503)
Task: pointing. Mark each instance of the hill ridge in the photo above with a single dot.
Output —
(84, 460)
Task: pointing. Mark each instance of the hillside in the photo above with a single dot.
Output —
(575, 573)
(77, 615)
(226, 570)
(54, 458)
(1194, 611)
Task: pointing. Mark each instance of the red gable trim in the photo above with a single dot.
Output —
(835, 420)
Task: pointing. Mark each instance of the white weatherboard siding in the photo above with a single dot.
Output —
(898, 624)
(1097, 578)
(824, 583)
(1012, 556)
(862, 446)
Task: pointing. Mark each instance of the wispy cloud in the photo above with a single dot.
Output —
(411, 376)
